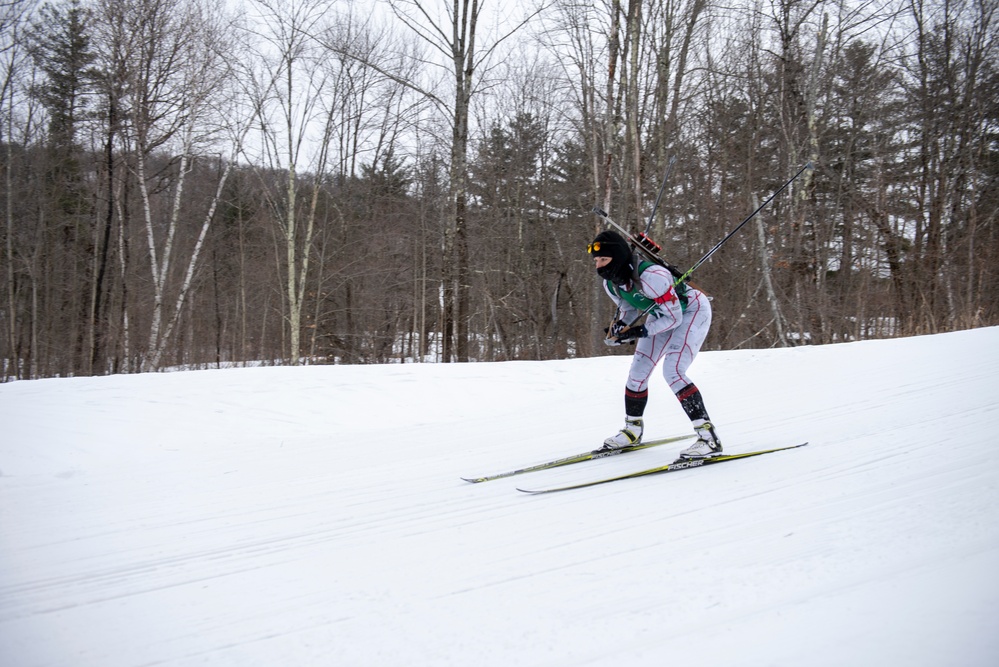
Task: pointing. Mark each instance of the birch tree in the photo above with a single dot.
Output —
(176, 103)
(304, 118)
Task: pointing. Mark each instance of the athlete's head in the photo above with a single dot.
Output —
(612, 257)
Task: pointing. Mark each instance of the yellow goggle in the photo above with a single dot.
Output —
(593, 247)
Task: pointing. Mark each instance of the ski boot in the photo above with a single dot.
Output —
(631, 434)
(707, 443)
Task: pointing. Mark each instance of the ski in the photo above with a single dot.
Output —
(578, 458)
(679, 464)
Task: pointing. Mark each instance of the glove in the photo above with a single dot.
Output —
(615, 329)
(633, 334)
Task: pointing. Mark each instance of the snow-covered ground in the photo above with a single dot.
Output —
(315, 516)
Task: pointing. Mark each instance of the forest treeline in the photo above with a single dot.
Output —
(188, 183)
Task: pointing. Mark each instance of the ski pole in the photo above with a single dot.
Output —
(752, 215)
(655, 207)
(709, 253)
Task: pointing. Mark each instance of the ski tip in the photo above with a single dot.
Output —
(473, 480)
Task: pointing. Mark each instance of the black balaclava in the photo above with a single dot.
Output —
(611, 244)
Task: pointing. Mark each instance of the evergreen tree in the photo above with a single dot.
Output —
(61, 48)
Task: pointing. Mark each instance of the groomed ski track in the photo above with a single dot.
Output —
(315, 516)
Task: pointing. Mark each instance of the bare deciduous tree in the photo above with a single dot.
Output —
(176, 103)
(452, 33)
(13, 61)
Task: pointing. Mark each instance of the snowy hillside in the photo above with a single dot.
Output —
(315, 516)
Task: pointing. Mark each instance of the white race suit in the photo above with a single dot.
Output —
(675, 334)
